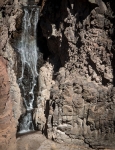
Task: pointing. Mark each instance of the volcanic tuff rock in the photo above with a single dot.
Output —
(80, 38)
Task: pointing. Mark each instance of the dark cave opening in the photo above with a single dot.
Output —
(42, 42)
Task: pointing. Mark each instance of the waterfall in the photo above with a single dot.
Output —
(29, 55)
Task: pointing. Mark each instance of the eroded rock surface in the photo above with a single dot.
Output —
(76, 96)
(80, 37)
(7, 124)
(9, 91)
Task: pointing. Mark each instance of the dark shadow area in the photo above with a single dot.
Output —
(2, 9)
(55, 12)
(46, 112)
(42, 42)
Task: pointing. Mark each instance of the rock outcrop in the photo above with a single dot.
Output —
(76, 95)
(9, 90)
(80, 38)
(7, 125)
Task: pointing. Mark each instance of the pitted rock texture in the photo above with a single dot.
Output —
(45, 83)
(80, 37)
(10, 94)
(7, 124)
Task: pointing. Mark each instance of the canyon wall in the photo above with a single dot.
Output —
(77, 90)
(76, 99)
(10, 96)
(7, 125)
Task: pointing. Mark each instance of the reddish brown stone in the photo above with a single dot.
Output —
(7, 129)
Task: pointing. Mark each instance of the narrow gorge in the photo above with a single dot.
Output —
(57, 74)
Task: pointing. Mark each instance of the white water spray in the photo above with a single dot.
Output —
(29, 55)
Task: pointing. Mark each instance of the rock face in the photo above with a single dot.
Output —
(76, 97)
(7, 125)
(80, 38)
(9, 91)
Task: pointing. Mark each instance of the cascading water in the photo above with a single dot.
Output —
(29, 55)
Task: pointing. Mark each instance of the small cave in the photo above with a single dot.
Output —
(42, 42)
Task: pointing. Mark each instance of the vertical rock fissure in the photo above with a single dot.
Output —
(29, 56)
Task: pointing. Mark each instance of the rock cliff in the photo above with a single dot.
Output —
(80, 40)
(10, 96)
(75, 96)
(7, 126)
